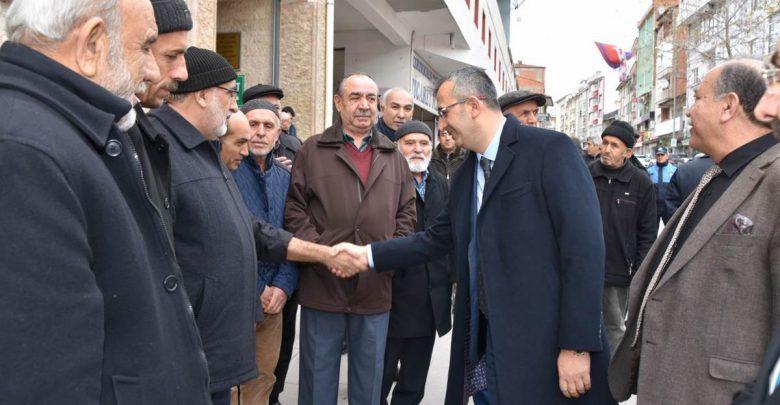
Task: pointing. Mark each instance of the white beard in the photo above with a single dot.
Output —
(417, 166)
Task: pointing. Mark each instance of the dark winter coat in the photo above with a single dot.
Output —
(328, 204)
(422, 296)
(684, 181)
(446, 164)
(93, 309)
(543, 266)
(288, 146)
(217, 244)
(630, 224)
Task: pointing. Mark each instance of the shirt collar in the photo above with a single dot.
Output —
(492, 150)
(740, 157)
(424, 178)
(363, 145)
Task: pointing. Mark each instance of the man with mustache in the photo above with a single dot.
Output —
(234, 146)
(92, 307)
(397, 107)
(348, 184)
(288, 144)
(263, 183)
(704, 302)
(421, 296)
(217, 241)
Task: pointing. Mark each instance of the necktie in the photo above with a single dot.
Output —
(484, 163)
(710, 174)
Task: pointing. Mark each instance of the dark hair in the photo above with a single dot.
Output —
(472, 81)
(289, 110)
(746, 82)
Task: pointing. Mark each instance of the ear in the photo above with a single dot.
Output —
(731, 107)
(202, 98)
(475, 107)
(629, 153)
(338, 102)
(91, 47)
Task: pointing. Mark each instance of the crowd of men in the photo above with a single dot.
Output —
(158, 239)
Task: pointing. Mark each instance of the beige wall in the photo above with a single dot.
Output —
(204, 23)
(254, 20)
(302, 72)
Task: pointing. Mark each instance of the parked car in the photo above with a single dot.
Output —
(645, 160)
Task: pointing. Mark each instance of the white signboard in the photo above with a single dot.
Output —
(424, 81)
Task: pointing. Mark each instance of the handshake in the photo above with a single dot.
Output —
(346, 260)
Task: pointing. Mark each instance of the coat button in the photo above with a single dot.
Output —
(167, 203)
(113, 148)
(171, 283)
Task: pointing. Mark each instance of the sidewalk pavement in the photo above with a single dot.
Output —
(434, 389)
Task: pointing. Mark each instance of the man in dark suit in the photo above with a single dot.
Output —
(421, 299)
(524, 225)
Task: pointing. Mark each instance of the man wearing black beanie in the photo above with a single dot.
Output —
(627, 202)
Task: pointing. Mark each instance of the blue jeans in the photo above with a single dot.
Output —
(321, 336)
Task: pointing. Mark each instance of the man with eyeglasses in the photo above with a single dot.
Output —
(523, 104)
(217, 242)
(705, 300)
(523, 223)
(765, 390)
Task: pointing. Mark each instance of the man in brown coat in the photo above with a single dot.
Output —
(349, 184)
(706, 299)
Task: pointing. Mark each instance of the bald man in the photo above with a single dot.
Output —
(235, 144)
(397, 107)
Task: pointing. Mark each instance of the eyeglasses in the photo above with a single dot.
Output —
(444, 110)
(233, 91)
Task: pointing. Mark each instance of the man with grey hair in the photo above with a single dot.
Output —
(704, 302)
(92, 311)
(397, 107)
(528, 307)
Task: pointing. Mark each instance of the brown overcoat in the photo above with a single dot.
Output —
(328, 204)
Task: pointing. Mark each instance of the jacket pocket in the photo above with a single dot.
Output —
(733, 370)
(127, 390)
(516, 191)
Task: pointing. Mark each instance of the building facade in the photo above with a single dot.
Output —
(580, 114)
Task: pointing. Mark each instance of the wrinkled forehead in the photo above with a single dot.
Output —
(261, 115)
(360, 85)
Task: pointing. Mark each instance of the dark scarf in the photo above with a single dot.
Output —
(383, 128)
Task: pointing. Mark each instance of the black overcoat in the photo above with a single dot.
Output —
(541, 249)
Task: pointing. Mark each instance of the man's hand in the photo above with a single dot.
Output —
(348, 260)
(265, 298)
(284, 161)
(573, 373)
(277, 300)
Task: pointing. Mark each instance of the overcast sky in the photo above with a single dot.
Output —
(559, 35)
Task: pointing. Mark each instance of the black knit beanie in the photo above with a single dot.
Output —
(171, 16)
(413, 127)
(205, 69)
(621, 130)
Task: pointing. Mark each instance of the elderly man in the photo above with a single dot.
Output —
(263, 184)
(627, 203)
(447, 157)
(764, 390)
(421, 301)
(234, 146)
(591, 150)
(528, 306)
(291, 130)
(661, 174)
(288, 144)
(703, 304)
(92, 306)
(217, 242)
(523, 105)
(397, 107)
(349, 184)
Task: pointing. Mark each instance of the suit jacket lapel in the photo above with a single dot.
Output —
(721, 211)
(503, 159)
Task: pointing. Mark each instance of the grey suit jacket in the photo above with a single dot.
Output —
(708, 321)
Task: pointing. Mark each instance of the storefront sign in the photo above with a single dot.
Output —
(229, 46)
(424, 81)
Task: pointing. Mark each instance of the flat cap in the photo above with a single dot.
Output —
(520, 96)
(262, 90)
(413, 127)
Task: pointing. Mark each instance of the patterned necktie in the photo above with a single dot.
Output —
(484, 163)
(710, 174)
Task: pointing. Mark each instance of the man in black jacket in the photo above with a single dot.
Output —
(627, 203)
(684, 181)
(217, 241)
(422, 295)
(93, 309)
